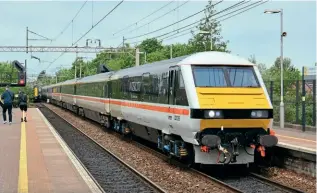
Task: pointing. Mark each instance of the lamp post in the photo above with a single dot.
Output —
(282, 34)
(81, 57)
(207, 32)
(144, 55)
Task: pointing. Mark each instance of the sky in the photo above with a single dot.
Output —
(249, 33)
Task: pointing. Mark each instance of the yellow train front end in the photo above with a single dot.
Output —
(235, 113)
(36, 94)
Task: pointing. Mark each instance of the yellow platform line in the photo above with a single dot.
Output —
(23, 170)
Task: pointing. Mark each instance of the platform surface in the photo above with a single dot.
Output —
(296, 140)
(35, 159)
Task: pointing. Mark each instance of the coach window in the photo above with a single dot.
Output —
(93, 89)
(119, 86)
(125, 87)
(96, 89)
(101, 89)
(163, 93)
(154, 88)
(85, 87)
(135, 88)
(146, 87)
(105, 93)
(114, 89)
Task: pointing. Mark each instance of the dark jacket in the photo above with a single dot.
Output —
(23, 99)
(7, 97)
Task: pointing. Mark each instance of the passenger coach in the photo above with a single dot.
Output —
(208, 108)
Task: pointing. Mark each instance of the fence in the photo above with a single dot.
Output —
(299, 101)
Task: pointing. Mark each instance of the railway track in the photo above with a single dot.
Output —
(109, 172)
(256, 183)
(249, 184)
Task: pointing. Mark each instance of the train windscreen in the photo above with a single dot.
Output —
(225, 76)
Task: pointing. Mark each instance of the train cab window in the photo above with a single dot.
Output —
(242, 77)
(225, 76)
(209, 76)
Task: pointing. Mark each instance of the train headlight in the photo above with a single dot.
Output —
(213, 114)
(259, 114)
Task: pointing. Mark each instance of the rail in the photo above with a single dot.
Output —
(144, 178)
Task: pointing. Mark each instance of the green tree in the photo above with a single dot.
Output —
(290, 76)
(150, 45)
(9, 75)
(262, 67)
(201, 42)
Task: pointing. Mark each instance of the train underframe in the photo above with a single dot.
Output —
(217, 146)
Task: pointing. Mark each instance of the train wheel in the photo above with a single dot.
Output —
(107, 123)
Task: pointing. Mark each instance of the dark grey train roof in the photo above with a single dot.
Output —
(105, 76)
(201, 58)
(149, 67)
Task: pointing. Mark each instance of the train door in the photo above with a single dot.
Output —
(171, 96)
(60, 93)
(75, 94)
(107, 96)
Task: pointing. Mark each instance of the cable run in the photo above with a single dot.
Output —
(88, 31)
(171, 36)
(159, 17)
(223, 16)
(99, 21)
(228, 8)
(144, 17)
(65, 28)
(173, 23)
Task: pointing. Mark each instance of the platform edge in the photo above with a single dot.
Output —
(296, 148)
(81, 170)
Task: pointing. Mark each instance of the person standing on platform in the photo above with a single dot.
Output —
(7, 98)
(23, 104)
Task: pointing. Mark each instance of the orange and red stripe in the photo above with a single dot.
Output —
(157, 108)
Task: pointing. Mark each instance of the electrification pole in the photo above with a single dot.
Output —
(137, 57)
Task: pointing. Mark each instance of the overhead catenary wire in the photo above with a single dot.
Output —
(258, 3)
(171, 36)
(88, 31)
(159, 17)
(99, 21)
(175, 22)
(228, 8)
(66, 27)
(135, 23)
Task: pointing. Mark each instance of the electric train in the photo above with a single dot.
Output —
(208, 108)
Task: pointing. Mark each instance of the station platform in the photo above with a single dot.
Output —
(296, 140)
(34, 158)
